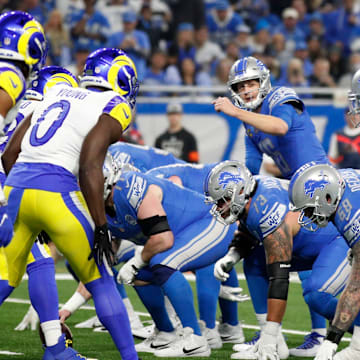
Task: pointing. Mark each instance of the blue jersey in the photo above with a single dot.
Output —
(192, 175)
(289, 152)
(142, 157)
(347, 216)
(267, 211)
(182, 206)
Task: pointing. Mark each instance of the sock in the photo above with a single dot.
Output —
(355, 340)
(153, 299)
(171, 313)
(179, 292)
(111, 312)
(43, 290)
(229, 309)
(207, 287)
(261, 318)
(320, 331)
(52, 332)
(5, 290)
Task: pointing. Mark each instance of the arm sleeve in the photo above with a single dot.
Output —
(284, 112)
(333, 150)
(253, 157)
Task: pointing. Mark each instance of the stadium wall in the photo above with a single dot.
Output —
(221, 137)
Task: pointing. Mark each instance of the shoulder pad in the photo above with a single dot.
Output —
(281, 95)
(138, 186)
(120, 110)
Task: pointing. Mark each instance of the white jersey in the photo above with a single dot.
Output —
(61, 122)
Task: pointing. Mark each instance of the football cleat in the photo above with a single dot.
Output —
(309, 347)
(212, 335)
(231, 333)
(89, 323)
(157, 340)
(248, 344)
(61, 351)
(187, 345)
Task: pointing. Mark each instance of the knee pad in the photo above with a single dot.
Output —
(161, 273)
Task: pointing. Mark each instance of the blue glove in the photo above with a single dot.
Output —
(6, 227)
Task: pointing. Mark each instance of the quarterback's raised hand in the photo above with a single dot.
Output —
(129, 271)
(326, 351)
(102, 248)
(6, 226)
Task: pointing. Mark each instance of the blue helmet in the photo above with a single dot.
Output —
(111, 69)
(46, 78)
(22, 38)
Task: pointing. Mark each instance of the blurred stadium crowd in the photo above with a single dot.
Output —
(195, 42)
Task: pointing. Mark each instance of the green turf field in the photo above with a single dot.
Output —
(100, 346)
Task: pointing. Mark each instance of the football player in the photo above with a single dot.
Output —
(278, 125)
(68, 135)
(181, 236)
(261, 205)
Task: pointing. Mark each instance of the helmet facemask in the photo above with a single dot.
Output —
(354, 99)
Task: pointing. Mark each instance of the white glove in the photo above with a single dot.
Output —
(129, 271)
(225, 264)
(30, 320)
(233, 293)
(326, 351)
(266, 347)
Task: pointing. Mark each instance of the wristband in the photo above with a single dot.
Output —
(74, 303)
(334, 334)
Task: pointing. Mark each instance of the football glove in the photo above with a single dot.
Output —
(29, 321)
(129, 271)
(6, 227)
(326, 351)
(102, 248)
(233, 293)
(266, 347)
(225, 264)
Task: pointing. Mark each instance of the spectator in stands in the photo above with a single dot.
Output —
(186, 11)
(302, 53)
(303, 17)
(34, 8)
(232, 50)
(315, 48)
(222, 72)
(58, 39)
(77, 67)
(222, 23)
(243, 40)
(251, 10)
(262, 36)
(344, 149)
(342, 24)
(352, 66)
(337, 61)
(321, 76)
(89, 27)
(208, 53)
(155, 73)
(316, 26)
(295, 75)
(185, 42)
(136, 43)
(114, 10)
(278, 50)
(192, 77)
(177, 140)
(290, 30)
(154, 21)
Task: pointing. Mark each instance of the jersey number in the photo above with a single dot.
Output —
(36, 140)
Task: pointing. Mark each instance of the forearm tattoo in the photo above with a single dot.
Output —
(278, 245)
(349, 302)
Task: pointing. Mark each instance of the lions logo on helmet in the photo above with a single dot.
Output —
(48, 77)
(22, 38)
(111, 69)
